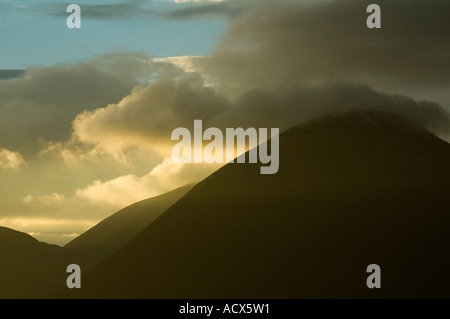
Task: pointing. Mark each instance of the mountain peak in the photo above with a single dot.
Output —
(352, 189)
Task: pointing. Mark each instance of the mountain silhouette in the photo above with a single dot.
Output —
(29, 268)
(352, 190)
(119, 228)
(33, 269)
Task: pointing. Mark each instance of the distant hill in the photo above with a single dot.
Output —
(33, 269)
(118, 229)
(29, 268)
(352, 190)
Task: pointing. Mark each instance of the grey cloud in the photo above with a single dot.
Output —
(290, 42)
(118, 11)
(151, 113)
(230, 9)
(132, 10)
(43, 104)
(277, 65)
(121, 11)
(101, 11)
(11, 74)
(286, 108)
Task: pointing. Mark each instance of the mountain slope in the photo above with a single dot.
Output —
(33, 269)
(119, 228)
(25, 270)
(352, 190)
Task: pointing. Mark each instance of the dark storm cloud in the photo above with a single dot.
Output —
(286, 42)
(286, 108)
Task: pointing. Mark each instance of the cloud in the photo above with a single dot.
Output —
(56, 217)
(121, 191)
(291, 106)
(46, 200)
(139, 9)
(11, 74)
(45, 101)
(118, 11)
(279, 43)
(147, 116)
(277, 65)
(257, 108)
(10, 160)
(207, 8)
(187, 63)
(128, 189)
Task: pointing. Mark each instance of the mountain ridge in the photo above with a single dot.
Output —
(32, 269)
(115, 230)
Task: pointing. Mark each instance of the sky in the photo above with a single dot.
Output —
(36, 34)
(86, 114)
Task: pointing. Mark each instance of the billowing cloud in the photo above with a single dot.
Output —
(125, 190)
(46, 100)
(291, 106)
(10, 160)
(147, 116)
(311, 42)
